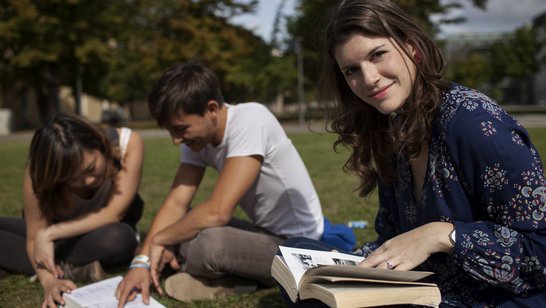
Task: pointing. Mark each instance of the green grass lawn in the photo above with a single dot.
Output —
(335, 188)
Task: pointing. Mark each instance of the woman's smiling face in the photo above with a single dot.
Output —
(377, 70)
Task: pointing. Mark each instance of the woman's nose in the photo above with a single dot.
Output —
(369, 73)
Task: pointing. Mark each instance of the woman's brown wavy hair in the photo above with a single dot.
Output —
(56, 155)
(372, 137)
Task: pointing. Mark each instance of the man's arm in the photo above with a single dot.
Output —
(238, 175)
(175, 206)
(186, 181)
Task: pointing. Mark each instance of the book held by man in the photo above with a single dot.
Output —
(102, 295)
(334, 279)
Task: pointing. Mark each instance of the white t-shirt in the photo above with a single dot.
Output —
(283, 199)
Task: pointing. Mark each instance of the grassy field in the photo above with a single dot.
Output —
(335, 188)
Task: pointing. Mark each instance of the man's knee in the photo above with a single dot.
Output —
(204, 254)
(208, 244)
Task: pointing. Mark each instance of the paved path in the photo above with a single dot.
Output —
(25, 136)
(532, 120)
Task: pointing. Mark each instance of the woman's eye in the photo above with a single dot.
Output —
(89, 170)
(378, 55)
(350, 71)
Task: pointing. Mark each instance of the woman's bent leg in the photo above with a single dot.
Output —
(13, 256)
(112, 245)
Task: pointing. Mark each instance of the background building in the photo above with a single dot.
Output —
(539, 79)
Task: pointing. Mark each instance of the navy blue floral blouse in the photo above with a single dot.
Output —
(486, 178)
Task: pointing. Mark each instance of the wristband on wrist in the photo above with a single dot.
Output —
(139, 265)
(141, 259)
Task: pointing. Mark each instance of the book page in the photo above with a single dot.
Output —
(300, 260)
(334, 279)
(367, 273)
(102, 295)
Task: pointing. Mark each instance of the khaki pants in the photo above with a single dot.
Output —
(239, 248)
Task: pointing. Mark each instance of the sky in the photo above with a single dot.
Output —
(500, 16)
(262, 22)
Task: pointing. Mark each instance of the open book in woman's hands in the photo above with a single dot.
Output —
(334, 279)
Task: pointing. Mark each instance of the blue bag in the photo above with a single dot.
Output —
(338, 235)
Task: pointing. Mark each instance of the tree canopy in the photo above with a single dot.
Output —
(115, 49)
(310, 18)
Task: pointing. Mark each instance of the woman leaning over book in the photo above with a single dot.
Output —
(80, 205)
(461, 187)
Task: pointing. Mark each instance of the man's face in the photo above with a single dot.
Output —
(193, 130)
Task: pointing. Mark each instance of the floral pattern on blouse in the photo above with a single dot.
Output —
(484, 176)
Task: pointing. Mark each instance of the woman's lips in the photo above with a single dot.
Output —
(381, 93)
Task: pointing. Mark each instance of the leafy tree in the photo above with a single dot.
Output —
(164, 32)
(516, 56)
(280, 74)
(49, 43)
(115, 48)
(310, 19)
(474, 71)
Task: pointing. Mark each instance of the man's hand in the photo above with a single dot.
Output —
(54, 289)
(408, 250)
(136, 280)
(159, 257)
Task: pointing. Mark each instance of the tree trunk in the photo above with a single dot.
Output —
(523, 92)
(47, 92)
(279, 103)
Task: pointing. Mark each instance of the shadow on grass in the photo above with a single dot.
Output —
(272, 299)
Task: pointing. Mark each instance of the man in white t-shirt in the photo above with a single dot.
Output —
(259, 169)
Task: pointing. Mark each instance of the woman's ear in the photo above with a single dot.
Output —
(417, 56)
(413, 51)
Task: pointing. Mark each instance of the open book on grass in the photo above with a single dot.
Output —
(334, 279)
(102, 295)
